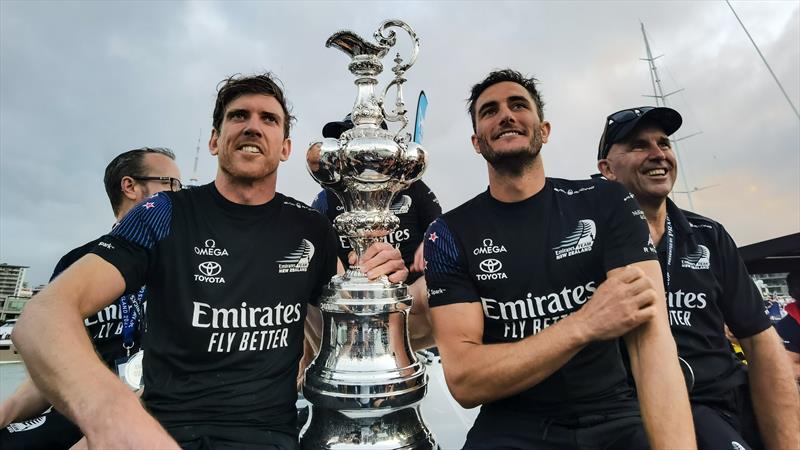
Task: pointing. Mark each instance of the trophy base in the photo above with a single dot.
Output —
(396, 429)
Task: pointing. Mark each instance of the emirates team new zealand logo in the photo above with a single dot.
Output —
(298, 260)
(700, 259)
(401, 205)
(579, 241)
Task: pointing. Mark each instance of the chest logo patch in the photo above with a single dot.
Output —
(700, 259)
(491, 270)
(579, 241)
(298, 260)
(488, 248)
(208, 272)
(401, 205)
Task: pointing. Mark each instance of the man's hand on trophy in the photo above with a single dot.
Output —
(380, 259)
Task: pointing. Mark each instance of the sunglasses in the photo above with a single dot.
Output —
(615, 120)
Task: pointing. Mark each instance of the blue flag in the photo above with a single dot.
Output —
(422, 108)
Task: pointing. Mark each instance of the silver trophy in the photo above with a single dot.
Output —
(366, 383)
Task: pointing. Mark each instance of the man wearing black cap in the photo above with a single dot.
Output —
(530, 284)
(416, 207)
(707, 286)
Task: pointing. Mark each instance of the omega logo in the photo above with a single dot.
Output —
(490, 265)
(209, 268)
(210, 243)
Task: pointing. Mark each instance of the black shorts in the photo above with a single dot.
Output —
(50, 431)
(728, 424)
(618, 431)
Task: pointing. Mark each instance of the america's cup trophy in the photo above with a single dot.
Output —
(366, 383)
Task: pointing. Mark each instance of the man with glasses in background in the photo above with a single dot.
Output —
(707, 286)
(129, 178)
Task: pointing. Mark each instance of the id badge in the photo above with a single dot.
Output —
(130, 370)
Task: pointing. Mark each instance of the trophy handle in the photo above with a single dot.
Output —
(387, 38)
(390, 39)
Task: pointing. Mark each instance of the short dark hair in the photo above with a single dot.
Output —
(128, 164)
(238, 85)
(499, 76)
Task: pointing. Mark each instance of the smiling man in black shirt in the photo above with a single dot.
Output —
(707, 287)
(531, 281)
(232, 269)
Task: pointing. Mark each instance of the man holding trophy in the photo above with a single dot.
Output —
(530, 284)
(236, 267)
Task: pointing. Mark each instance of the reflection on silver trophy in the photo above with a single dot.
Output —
(366, 383)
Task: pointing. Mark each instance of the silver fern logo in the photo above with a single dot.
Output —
(401, 205)
(26, 425)
(579, 241)
(700, 259)
(298, 260)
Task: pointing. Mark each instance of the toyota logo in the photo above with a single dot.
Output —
(490, 265)
(210, 268)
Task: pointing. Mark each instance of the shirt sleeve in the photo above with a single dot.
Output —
(320, 202)
(329, 258)
(740, 302)
(445, 268)
(627, 234)
(429, 208)
(61, 266)
(130, 247)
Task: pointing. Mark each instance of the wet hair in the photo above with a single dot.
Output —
(238, 85)
(128, 164)
(499, 76)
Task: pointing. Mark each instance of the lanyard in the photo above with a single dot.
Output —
(670, 235)
(130, 305)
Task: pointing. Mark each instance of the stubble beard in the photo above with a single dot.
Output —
(512, 163)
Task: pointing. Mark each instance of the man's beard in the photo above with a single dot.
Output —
(512, 162)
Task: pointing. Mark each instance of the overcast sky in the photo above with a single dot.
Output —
(81, 82)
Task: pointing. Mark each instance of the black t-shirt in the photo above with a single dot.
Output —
(416, 207)
(229, 286)
(105, 327)
(532, 263)
(707, 286)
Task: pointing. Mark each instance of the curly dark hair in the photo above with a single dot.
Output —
(499, 76)
(128, 164)
(237, 85)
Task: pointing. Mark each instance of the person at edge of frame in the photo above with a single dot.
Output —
(416, 207)
(28, 419)
(233, 271)
(789, 327)
(707, 286)
(543, 274)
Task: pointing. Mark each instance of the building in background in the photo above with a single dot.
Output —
(14, 291)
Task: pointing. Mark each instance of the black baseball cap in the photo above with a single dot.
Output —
(335, 129)
(620, 124)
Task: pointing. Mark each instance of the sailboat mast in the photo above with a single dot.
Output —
(193, 181)
(661, 100)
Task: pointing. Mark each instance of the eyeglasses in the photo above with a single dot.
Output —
(615, 120)
(174, 183)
